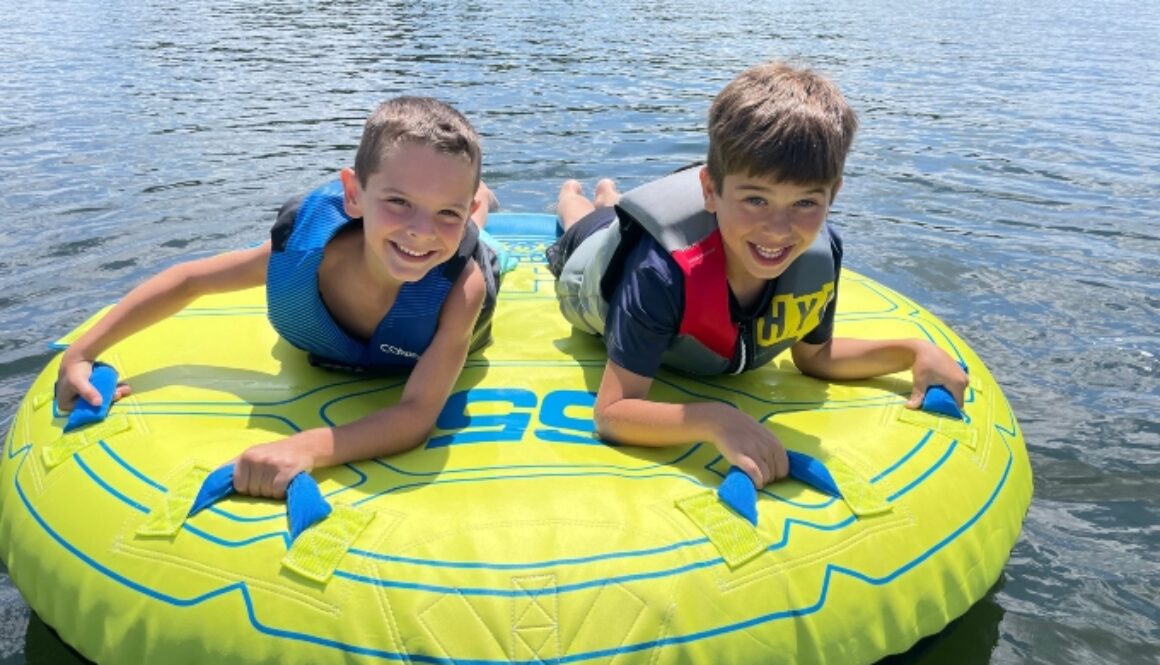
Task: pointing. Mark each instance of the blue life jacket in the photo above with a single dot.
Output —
(294, 304)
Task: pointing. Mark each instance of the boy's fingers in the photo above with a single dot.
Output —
(781, 463)
(241, 476)
(769, 465)
(259, 483)
(123, 390)
(960, 393)
(270, 483)
(281, 482)
(752, 470)
(90, 394)
(915, 400)
(766, 467)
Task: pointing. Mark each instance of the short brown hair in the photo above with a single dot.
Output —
(792, 125)
(421, 120)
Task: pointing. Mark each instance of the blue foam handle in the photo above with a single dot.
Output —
(104, 379)
(737, 492)
(217, 486)
(939, 400)
(305, 505)
(812, 472)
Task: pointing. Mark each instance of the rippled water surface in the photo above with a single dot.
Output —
(1006, 175)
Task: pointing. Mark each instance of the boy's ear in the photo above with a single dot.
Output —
(708, 190)
(351, 193)
(834, 191)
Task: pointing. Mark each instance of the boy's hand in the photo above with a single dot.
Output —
(934, 367)
(72, 381)
(266, 470)
(751, 447)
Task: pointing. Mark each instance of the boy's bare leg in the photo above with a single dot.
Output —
(487, 203)
(572, 204)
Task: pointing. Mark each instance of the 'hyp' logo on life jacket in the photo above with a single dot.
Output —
(792, 317)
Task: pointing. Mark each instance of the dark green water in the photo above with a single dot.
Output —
(1006, 176)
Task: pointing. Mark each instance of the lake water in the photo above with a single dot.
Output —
(1006, 175)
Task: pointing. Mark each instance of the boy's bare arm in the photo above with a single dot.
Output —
(267, 469)
(151, 301)
(624, 415)
(846, 358)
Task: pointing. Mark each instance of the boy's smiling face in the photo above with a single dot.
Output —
(414, 209)
(765, 224)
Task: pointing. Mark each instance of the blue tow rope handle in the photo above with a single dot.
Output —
(104, 379)
(739, 493)
(305, 505)
(939, 400)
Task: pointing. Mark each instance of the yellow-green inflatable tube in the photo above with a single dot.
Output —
(512, 536)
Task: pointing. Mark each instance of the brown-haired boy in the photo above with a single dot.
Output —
(386, 268)
(719, 269)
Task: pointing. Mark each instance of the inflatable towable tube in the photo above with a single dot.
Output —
(512, 535)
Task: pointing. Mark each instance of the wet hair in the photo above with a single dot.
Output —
(791, 125)
(419, 120)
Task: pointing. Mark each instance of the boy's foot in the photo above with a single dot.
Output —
(571, 188)
(606, 193)
(572, 204)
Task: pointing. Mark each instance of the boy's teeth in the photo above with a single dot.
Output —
(769, 253)
(410, 252)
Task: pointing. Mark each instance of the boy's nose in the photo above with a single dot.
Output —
(778, 222)
(422, 225)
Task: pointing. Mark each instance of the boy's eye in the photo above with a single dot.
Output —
(806, 203)
(396, 201)
(451, 215)
(756, 201)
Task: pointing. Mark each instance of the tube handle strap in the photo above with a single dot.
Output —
(316, 554)
(733, 535)
(74, 441)
(168, 514)
(201, 487)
